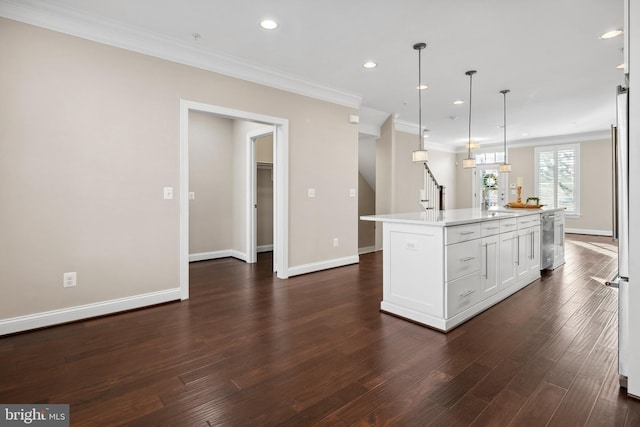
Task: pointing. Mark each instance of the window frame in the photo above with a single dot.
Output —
(555, 148)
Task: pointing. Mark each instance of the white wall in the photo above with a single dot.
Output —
(86, 184)
(211, 219)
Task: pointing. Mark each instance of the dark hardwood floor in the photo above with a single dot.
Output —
(250, 350)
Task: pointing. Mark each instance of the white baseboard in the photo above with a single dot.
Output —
(590, 232)
(265, 248)
(324, 265)
(366, 250)
(204, 256)
(71, 314)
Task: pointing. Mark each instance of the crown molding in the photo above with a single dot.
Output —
(542, 141)
(412, 128)
(91, 27)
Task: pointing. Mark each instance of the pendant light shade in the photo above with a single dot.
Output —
(505, 167)
(469, 162)
(420, 155)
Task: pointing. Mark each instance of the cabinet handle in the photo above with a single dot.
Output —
(466, 259)
(466, 294)
(562, 235)
(492, 228)
(466, 233)
(486, 260)
(518, 246)
(533, 247)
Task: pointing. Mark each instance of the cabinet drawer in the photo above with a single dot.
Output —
(461, 233)
(490, 228)
(528, 221)
(462, 294)
(507, 225)
(462, 259)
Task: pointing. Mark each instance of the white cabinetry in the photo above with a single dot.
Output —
(528, 248)
(489, 265)
(508, 247)
(442, 275)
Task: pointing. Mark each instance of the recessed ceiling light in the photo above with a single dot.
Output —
(458, 102)
(620, 67)
(422, 87)
(369, 64)
(611, 34)
(269, 24)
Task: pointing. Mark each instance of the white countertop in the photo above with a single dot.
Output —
(455, 216)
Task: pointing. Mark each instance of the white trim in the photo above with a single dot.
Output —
(412, 128)
(205, 256)
(99, 29)
(264, 248)
(324, 265)
(281, 165)
(82, 312)
(252, 191)
(366, 250)
(606, 233)
(574, 138)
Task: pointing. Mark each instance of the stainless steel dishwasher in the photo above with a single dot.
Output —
(547, 241)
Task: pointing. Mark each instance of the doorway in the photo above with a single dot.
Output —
(489, 181)
(263, 189)
(280, 129)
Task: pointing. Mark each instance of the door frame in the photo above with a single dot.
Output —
(281, 176)
(252, 192)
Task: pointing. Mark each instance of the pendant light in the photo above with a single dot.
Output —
(469, 162)
(420, 155)
(505, 167)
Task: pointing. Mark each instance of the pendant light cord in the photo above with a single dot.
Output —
(419, 47)
(504, 123)
(470, 74)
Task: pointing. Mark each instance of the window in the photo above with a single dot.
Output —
(489, 158)
(558, 177)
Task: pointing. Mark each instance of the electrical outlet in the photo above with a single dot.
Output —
(352, 192)
(311, 192)
(168, 193)
(69, 279)
(336, 242)
(192, 195)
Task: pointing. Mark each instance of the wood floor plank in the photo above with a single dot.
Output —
(577, 404)
(249, 349)
(501, 411)
(540, 407)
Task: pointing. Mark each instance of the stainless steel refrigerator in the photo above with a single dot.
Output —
(620, 137)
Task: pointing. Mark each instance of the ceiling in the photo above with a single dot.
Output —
(548, 53)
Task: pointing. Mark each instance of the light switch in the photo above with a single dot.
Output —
(352, 192)
(192, 195)
(312, 193)
(168, 193)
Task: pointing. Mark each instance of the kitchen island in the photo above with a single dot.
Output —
(440, 268)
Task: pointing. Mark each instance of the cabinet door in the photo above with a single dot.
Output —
(534, 249)
(489, 266)
(507, 257)
(523, 250)
(462, 259)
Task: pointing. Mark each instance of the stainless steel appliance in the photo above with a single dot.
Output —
(547, 241)
(620, 139)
